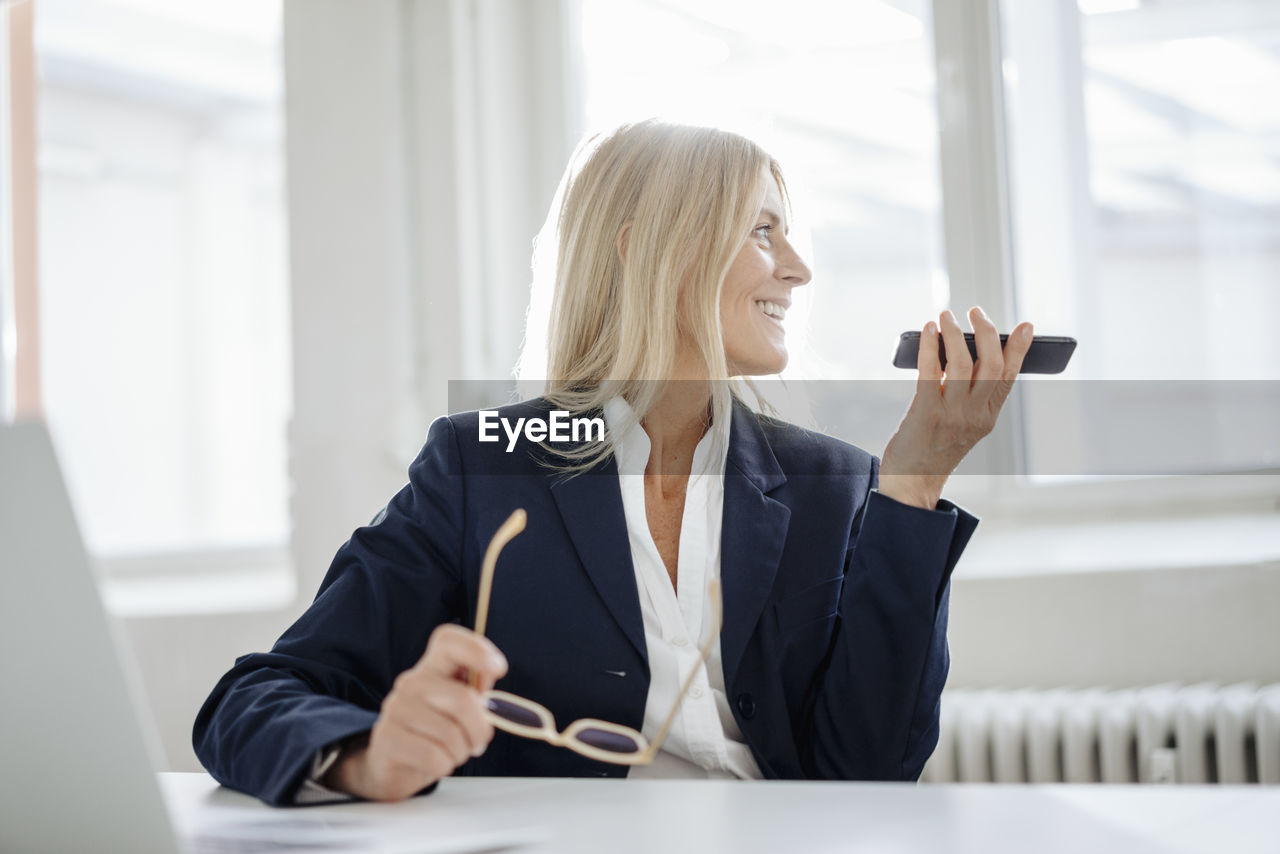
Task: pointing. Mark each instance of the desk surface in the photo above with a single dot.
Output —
(544, 815)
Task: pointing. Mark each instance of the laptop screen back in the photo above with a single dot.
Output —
(76, 770)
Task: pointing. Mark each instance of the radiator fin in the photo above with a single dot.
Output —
(1202, 733)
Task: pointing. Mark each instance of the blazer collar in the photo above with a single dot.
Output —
(749, 450)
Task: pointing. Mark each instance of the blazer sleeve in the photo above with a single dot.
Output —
(324, 680)
(875, 712)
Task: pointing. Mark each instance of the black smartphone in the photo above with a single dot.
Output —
(1049, 354)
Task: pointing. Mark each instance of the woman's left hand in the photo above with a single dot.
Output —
(950, 413)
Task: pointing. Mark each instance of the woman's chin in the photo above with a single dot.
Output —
(758, 367)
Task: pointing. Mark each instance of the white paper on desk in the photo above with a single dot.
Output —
(251, 835)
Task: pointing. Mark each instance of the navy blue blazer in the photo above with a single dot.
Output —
(835, 612)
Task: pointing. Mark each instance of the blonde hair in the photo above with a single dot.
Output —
(648, 227)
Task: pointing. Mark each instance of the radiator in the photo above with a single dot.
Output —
(1201, 733)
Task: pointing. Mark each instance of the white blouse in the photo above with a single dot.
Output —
(704, 740)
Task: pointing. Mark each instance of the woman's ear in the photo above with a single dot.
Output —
(624, 234)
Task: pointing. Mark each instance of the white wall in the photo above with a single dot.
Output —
(1117, 628)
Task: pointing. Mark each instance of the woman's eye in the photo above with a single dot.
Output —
(762, 231)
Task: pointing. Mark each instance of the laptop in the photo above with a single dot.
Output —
(77, 748)
(74, 753)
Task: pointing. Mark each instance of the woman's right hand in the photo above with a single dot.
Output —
(432, 721)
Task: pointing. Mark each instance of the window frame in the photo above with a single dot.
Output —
(6, 227)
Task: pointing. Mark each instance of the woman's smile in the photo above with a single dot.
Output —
(772, 310)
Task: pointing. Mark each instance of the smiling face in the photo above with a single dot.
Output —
(757, 291)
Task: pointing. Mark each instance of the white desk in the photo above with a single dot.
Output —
(733, 817)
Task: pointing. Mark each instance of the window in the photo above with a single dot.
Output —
(1142, 211)
(163, 285)
(1144, 143)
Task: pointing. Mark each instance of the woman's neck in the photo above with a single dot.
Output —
(678, 420)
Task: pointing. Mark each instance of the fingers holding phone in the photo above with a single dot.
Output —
(956, 404)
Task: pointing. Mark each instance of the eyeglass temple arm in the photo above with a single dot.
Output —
(506, 533)
(713, 591)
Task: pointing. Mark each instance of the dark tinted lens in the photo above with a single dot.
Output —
(610, 741)
(515, 714)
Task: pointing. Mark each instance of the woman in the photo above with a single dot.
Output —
(673, 274)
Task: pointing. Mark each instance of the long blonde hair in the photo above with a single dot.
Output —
(648, 226)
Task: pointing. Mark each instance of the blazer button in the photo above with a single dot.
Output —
(747, 705)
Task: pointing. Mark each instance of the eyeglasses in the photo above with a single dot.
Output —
(593, 738)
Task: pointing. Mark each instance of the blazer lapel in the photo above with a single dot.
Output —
(591, 507)
(753, 533)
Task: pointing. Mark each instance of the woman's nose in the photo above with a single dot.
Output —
(793, 270)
